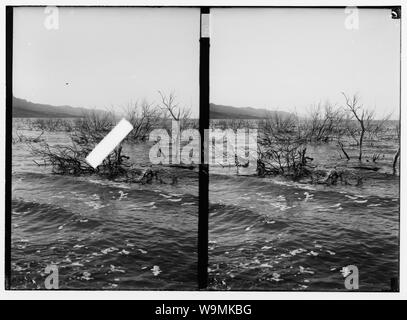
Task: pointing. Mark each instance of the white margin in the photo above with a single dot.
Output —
(195, 295)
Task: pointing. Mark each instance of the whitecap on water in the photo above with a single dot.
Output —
(150, 204)
(108, 250)
(18, 268)
(360, 201)
(113, 268)
(305, 187)
(77, 264)
(86, 276)
(306, 270)
(175, 200)
(123, 195)
(95, 205)
(59, 197)
(276, 277)
(297, 251)
(308, 196)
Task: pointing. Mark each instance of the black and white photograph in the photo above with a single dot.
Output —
(129, 223)
(322, 88)
(218, 148)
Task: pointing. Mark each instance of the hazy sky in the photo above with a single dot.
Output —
(288, 59)
(280, 59)
(108, 56)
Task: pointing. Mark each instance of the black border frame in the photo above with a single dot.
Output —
(204, 100)
(9, 124)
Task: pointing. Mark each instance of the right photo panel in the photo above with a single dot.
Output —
(304, 149)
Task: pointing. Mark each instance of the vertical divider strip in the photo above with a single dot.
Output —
(8, 138)
(203, 218)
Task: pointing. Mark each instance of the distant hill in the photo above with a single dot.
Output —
(26, 109)
(218, 111)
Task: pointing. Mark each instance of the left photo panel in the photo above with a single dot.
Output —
(104, 182)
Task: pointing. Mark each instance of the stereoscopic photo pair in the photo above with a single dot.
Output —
(203, 148)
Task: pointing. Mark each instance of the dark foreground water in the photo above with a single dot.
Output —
(101, 234)
(270, 234)
(265, 234)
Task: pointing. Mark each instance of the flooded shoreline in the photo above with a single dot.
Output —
(265, 233)
(101, 234)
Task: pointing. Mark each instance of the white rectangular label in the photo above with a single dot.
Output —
(205, 26)
(107, 145)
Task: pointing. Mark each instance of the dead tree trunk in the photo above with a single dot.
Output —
(361, 115)
(343, 150)
(362, 134)
(396, 156)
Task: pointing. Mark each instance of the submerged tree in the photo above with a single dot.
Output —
(181, 120)
(324, 122)
(144, 117)
(281, 149)
(363, 117)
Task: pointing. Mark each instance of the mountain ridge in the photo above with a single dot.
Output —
(26, 109)
(218, 111)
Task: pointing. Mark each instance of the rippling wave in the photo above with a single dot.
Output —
(275, 235)
(101, 234)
